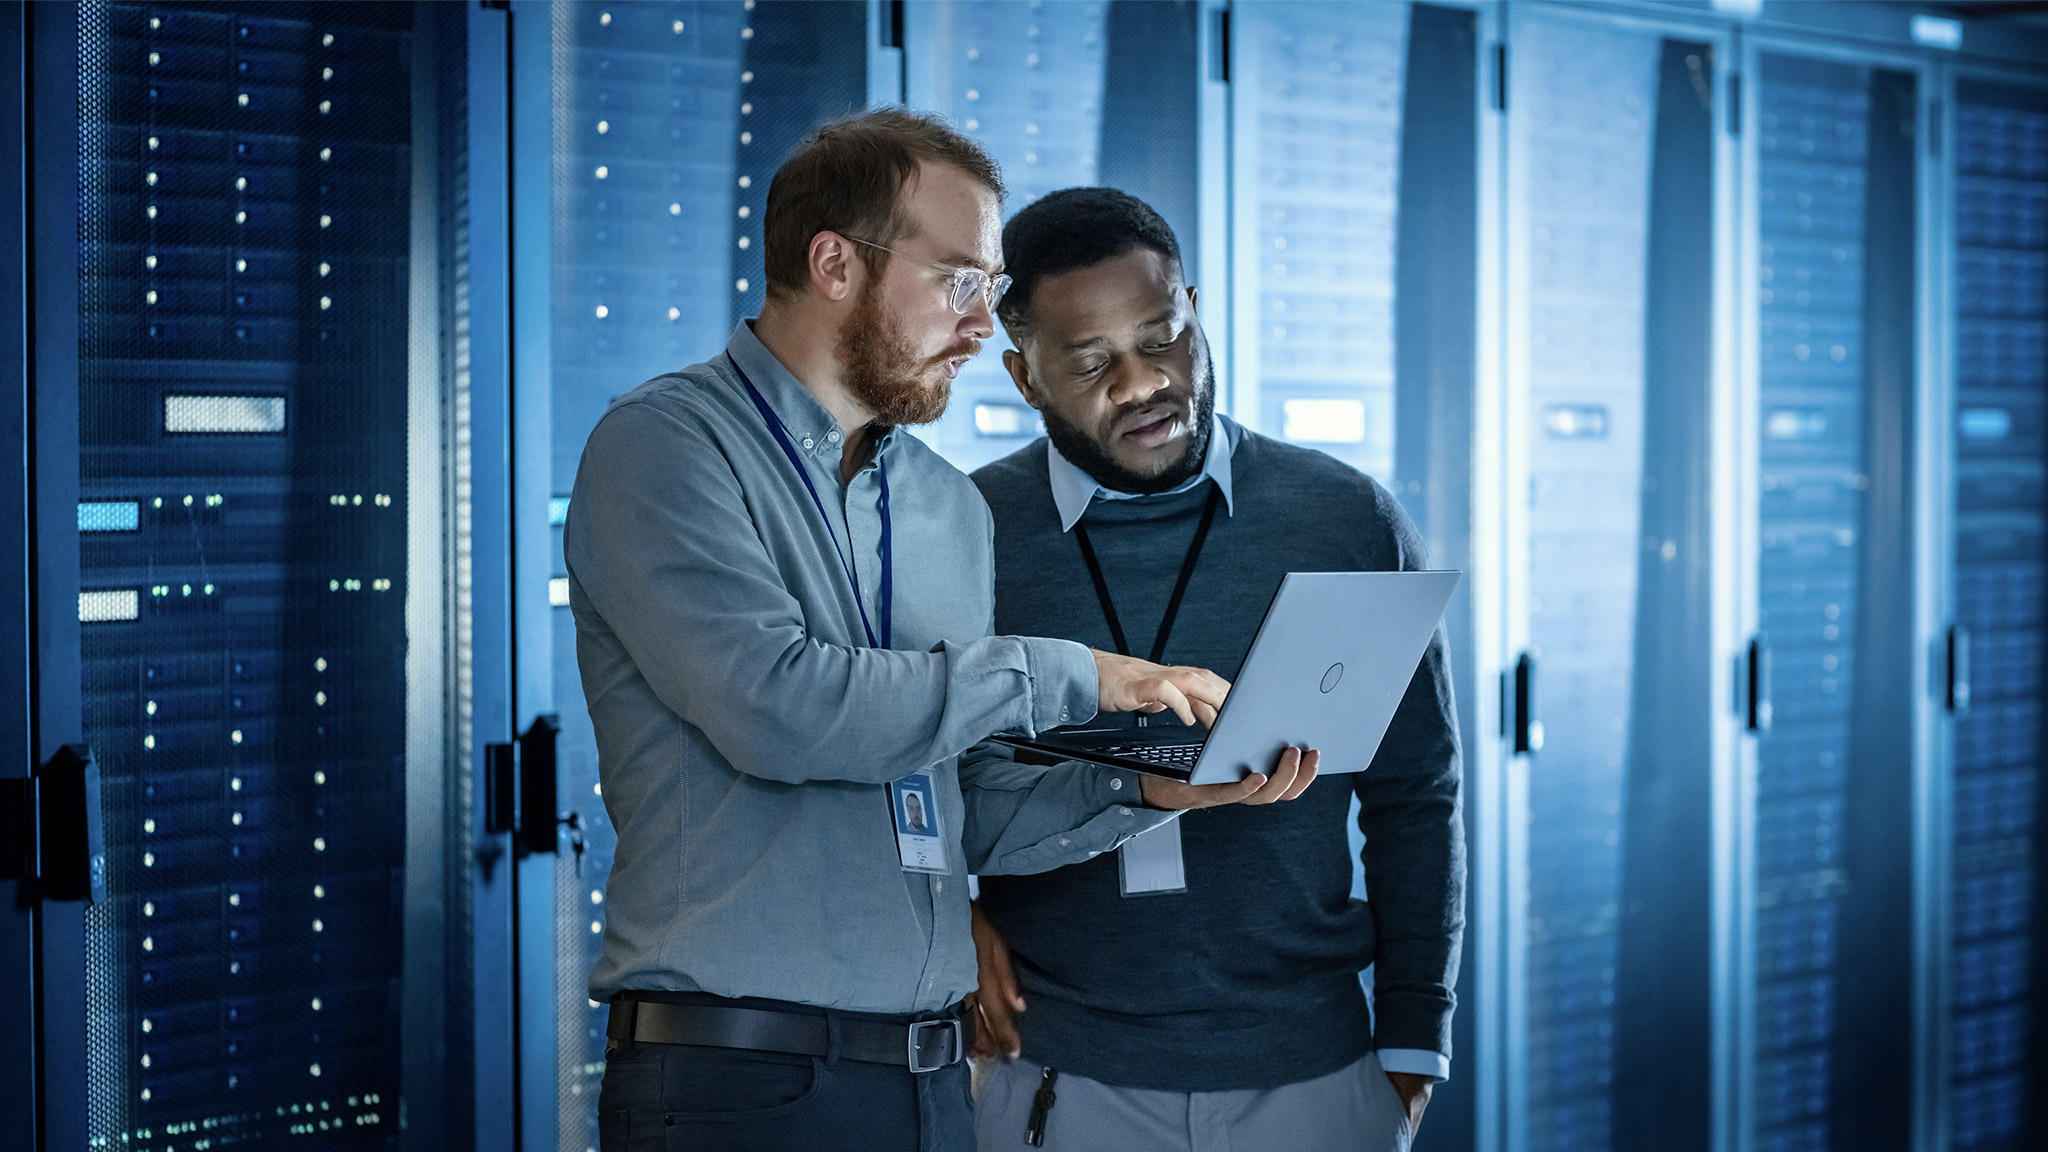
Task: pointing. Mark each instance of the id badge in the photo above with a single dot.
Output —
(1150, 863)
(914, 805)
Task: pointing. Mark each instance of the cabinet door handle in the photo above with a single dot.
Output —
(1526, 728)
(1756, 676)
(519, 787)
(1957, 695)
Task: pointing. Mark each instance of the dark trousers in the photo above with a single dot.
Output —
(683, 1098)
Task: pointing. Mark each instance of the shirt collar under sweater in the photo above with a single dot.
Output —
(1073, 490)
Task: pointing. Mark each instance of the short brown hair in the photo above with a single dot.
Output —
(847, 176)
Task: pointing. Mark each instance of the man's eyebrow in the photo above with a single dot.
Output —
(967, 260)
(1164, 319)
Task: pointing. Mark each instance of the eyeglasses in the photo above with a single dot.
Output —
(967, 282)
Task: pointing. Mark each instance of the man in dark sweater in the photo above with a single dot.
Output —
(1204, 983)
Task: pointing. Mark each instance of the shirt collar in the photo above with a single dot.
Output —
(1073, 490)
(812, 430)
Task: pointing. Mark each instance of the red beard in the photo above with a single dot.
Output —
(876, 359)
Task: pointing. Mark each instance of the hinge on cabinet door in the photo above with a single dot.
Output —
(20, 820)
(50, 828)
(501, 788)
(1500, 77)
(1735, 103)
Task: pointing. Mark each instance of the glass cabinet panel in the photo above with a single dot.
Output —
(2001, 372)
(1835, 181)
(1610, 185)
(245, 196)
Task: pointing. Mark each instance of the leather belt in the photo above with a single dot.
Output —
(920, 1045)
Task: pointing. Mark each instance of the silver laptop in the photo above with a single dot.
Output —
(1331, 661)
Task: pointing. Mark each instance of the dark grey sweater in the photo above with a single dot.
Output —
(1249, 979)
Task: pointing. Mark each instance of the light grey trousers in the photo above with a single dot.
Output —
(1354, 1109)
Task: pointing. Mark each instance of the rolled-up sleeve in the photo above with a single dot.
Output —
(663, 544)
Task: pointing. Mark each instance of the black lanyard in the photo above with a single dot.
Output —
(1180, 587)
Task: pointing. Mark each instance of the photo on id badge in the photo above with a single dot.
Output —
(919, 841)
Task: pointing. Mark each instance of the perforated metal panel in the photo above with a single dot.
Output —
(2001, 370)
(244, 200)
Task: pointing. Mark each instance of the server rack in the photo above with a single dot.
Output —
(1348, 321)
(243, 188)
(1834, 1044)
(1999, 205)
(1615, 162)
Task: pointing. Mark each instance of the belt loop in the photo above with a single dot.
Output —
(619, 1023)
(832, 1038)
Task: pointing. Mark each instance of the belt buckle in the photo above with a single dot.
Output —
(916, 1033)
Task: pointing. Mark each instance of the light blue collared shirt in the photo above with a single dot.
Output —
(1073, 490)
(745, 729)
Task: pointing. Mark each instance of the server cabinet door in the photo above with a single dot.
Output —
(248, 551)
(647, 135)
(19, 1081)
(1610, 298)
(1352, 277)
(1835, 177)
(1994, 685)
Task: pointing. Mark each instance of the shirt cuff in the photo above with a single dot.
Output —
(1416, 1062)
(1120, 813)
(1064, 687)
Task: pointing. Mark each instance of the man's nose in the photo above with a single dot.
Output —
(1137, 384)
(978, 323)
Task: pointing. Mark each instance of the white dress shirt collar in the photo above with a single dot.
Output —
(1073, 490)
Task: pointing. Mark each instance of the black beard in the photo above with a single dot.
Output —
(1082, 452)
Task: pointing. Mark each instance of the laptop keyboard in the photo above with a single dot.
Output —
(1164, 755)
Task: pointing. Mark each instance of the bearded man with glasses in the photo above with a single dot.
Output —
(783, 609)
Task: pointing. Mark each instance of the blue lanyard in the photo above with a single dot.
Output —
(882, 474)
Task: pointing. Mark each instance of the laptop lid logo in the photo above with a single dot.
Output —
(1331, 677)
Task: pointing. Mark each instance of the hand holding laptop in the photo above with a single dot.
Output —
(1292, 775)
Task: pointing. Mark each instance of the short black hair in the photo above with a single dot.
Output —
(1075, 228)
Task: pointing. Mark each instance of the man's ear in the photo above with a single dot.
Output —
(835, 269)
(1191, 300)
(1020, 375)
